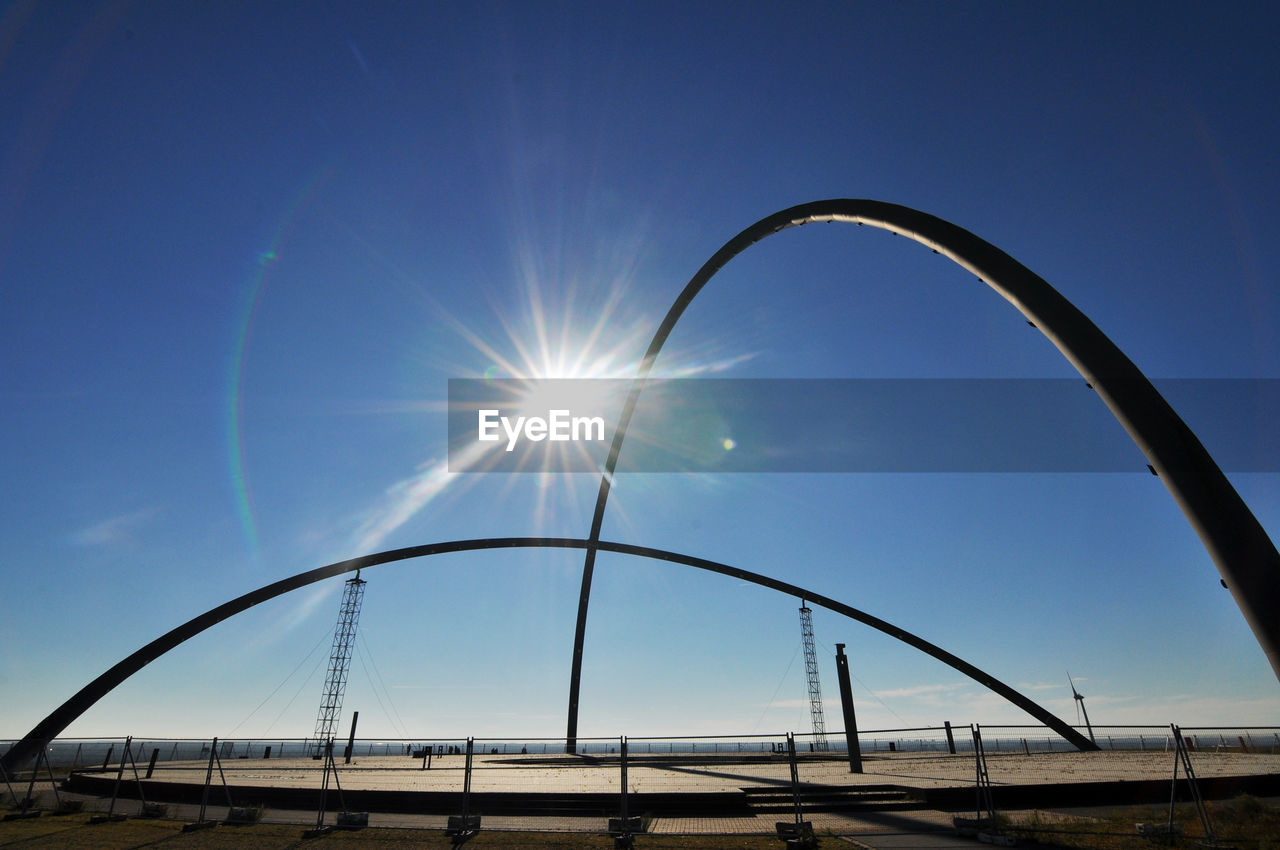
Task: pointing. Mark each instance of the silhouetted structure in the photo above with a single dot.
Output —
(811, 677)
(61, 717)
(1244, 554)
(1079, 698)
(850, 720)
(1239, 546)
(335, 682)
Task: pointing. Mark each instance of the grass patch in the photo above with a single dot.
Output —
(75, 831)
(1245, 822)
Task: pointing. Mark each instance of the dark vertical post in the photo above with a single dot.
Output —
(351, 739)
(208, 777)
(795, 777)
(951, 741)
(324, 784)
(623, 762)
(115, 791)
(846, 703)
(466, 784)
(151, 767)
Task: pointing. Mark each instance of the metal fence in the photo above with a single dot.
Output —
(671, 783)
(86, 752)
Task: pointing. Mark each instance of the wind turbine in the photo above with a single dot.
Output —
(1079, 698)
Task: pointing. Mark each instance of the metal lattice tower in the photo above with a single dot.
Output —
(815, 687)
(335, 685)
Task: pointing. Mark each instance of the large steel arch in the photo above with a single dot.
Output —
(58, 720)
(1244, 554)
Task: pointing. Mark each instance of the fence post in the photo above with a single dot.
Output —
(624, 827)
(466, 825)
(324, 787)
(622, 760)
(795, 777)
(466, 781)
(208, 777)
(984, 801)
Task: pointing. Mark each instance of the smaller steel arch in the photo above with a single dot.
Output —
(60, 718)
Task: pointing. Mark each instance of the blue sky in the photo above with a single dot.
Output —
(244, 248)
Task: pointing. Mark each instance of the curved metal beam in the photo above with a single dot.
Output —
(1245, 556)
(49, 728)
